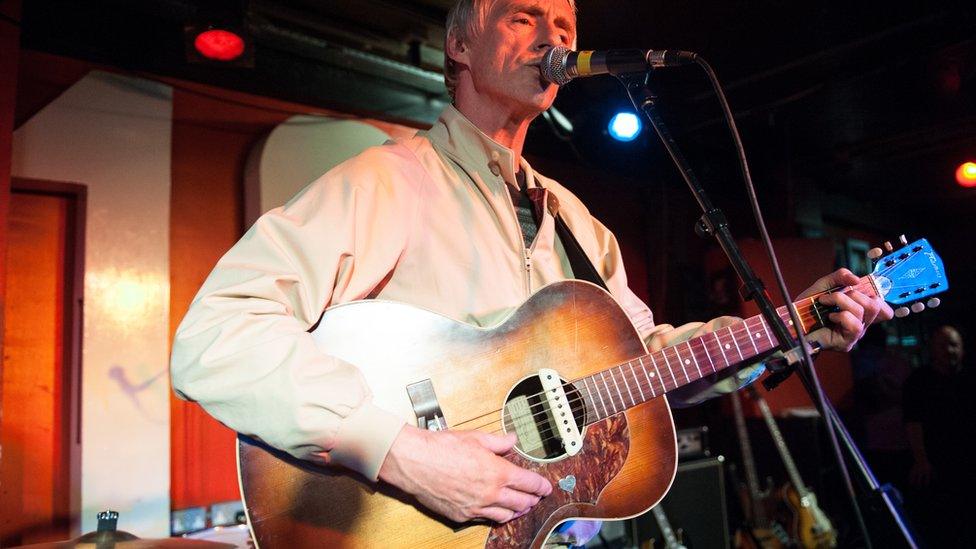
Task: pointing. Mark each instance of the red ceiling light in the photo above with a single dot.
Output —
(219, 45)
(966, 174)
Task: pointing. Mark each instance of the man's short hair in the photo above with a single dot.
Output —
(466, 19)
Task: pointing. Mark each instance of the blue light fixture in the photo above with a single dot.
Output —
(624, 126)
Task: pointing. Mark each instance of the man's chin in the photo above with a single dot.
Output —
(544, 98)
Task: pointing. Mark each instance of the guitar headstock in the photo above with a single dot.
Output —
(908, 277)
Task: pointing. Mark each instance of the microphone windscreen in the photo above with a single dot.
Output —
(553, 66)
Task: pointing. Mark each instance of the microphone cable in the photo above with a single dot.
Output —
(811, 380)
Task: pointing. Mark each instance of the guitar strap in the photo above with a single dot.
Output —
(583, 268)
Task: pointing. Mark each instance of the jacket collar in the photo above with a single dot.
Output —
(459, 138)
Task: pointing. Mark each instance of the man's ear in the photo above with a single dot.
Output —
(457, 50)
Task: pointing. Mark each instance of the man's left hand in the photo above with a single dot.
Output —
(856, 311)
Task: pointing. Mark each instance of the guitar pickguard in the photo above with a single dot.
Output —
(605, 450)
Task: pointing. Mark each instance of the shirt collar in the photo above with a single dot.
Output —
(461, 139)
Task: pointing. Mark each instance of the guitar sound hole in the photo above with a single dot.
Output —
(528, 414)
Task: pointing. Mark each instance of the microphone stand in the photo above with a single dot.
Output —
(713, 222)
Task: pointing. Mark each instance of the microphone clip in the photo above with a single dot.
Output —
(782, 367)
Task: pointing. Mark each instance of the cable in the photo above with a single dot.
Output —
(811, 380)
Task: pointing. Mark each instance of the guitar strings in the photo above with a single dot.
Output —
(741, 328)
(736, 331)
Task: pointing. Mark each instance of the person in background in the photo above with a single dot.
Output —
(880, 373)
(940, 422)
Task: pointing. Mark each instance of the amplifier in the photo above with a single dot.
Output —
(693, 443)
(694, 507)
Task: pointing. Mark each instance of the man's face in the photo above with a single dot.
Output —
(947, 350)
(504, 58)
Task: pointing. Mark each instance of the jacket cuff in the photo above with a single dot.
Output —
(364, 439)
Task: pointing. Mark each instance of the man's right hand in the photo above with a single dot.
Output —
(460, 474)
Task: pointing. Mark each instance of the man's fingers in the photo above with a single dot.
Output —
(869, 307)
(845, 303)
(526, 481)
(497, 444)
(515, 500)
(875, 308)
(498, 514)
(840, 277)
(849, 325)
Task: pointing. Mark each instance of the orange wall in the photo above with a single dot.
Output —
(802, 261)
(211, 140)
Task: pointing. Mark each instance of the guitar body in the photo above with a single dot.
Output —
(808, 524)
(626, 465)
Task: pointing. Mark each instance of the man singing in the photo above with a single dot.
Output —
(453, 220)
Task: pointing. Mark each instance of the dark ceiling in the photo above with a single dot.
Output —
(861, 109)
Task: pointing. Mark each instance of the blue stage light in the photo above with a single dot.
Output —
(624, 126)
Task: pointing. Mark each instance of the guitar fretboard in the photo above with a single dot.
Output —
(634, 382)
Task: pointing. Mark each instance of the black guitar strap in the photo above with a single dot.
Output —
(583, 268)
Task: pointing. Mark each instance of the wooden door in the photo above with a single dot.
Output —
(38, 425)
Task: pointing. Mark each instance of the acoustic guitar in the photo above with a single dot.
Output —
(566, 372)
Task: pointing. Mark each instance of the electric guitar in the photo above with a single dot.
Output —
(566, 372)
(760, 529)
(672, 540)
(809, 526)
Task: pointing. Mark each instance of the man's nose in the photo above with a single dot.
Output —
(550, 36)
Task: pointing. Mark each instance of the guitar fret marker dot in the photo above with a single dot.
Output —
(687, 361)
(727, 346)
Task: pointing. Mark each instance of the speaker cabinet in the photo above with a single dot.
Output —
(695, 508)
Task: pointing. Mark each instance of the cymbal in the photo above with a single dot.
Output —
(118, 539)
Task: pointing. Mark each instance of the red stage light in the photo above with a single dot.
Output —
(219, 45)
(966, 174)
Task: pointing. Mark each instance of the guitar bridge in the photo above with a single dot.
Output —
(426, 407)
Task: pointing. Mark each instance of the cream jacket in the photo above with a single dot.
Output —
(426, 221)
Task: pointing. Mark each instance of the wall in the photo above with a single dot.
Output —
(112, 134)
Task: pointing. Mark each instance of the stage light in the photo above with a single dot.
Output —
(219, 45)
(624, 126)
(966, 174)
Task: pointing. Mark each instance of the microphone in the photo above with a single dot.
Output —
(560, 64)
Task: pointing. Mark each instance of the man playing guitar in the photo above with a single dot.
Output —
(432, 221)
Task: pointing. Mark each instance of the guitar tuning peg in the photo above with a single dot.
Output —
(918, 307)
(874, 253)
(934, 302)
(888, 246)
(902, 240)
(902, 312)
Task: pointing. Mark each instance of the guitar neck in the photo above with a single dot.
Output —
(781, 447)
(748, 462)
(670, 539)
(616, 389)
